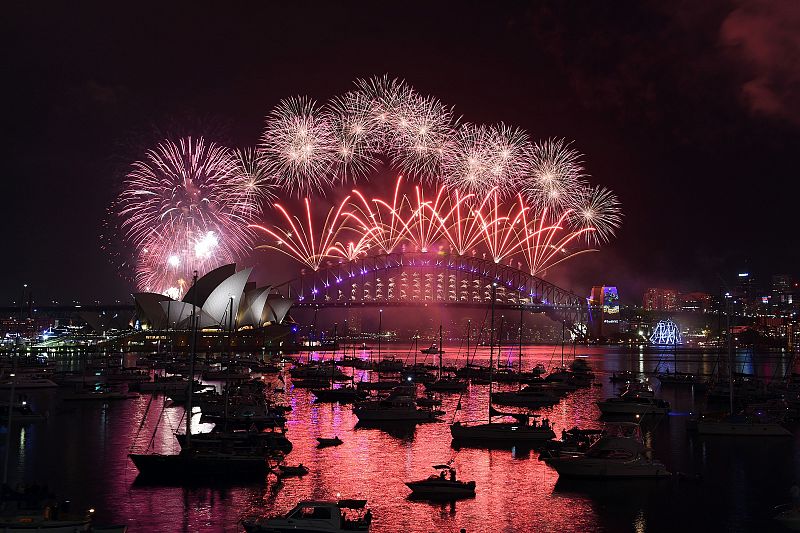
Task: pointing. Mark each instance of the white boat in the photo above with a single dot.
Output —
(742, 426)
(634, 402)
(18, 515)
(617, 456)
(316, 517)
(392, 409)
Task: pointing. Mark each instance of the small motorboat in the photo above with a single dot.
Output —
(316, 516)
(442, 485)
(432, 350)
(326, 442)
(291, 471)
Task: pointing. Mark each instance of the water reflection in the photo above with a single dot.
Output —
(81, 451)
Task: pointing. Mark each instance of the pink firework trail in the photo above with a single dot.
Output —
(301, 241)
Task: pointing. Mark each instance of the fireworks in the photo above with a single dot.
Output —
(598, 208)
(500, 229)
(299, 146)
(300, 240)
(478, 189)
(185, 207)
(556, 174)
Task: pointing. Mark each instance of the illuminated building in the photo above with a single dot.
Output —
(656, 299)
(694, 302)
(605, 302)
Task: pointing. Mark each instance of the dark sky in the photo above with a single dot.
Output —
(689, 110)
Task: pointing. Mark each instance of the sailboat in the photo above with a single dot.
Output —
(524, 429)
(445, 384)
(738, 425)
(193, 462)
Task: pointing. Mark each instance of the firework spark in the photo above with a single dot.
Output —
(185, 207)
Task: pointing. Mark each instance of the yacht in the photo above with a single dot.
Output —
(524, 430)
(346, 394)
(611, 456)
(432, 350)
(741, 425)
(446, 385)
(442, 485)
(395, 408)
(316, 517)
(529, 396)
(634, 402)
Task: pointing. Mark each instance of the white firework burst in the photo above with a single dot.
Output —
(467, 161)
(422, 129)
(556, 174)
(510, 156)
(299, 146)
(599, 209)
(356, 135)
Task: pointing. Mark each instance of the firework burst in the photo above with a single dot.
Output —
(299, 147)
(556, 174)
(185, 207)
(599, 209)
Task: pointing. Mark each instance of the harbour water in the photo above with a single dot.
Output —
(80, 452)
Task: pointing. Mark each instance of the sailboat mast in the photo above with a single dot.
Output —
(491, 351)
(469, 327)
(730, 355)
(193, 349)
(519, 335)
(440, 351)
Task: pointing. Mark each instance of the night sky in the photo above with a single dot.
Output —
(689, 110)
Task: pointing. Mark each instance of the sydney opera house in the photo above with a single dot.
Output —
(222, 300)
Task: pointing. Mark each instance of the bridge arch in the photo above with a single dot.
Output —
(432, 278)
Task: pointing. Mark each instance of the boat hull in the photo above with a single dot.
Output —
(177, 467)
(713, 427)
(582, 467)
(510, 433)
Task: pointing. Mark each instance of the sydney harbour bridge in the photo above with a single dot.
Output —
(433, 278)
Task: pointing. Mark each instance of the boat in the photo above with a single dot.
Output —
(446, 385)
(20, 514)
(442, 485)
(164, 384)
(290, 471)
(199, 463)
(623, 377)
(634, 402)
(347, 394)
(309, 516)
(523, 430)
(573, 441)
(620, 455)
(22, 413)
(265, 442)
(398, 407)
(432, 350)
(528, 396)
(27, 382)
(681, 379)
(99, 392)
(741, 426)
(325, 442)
